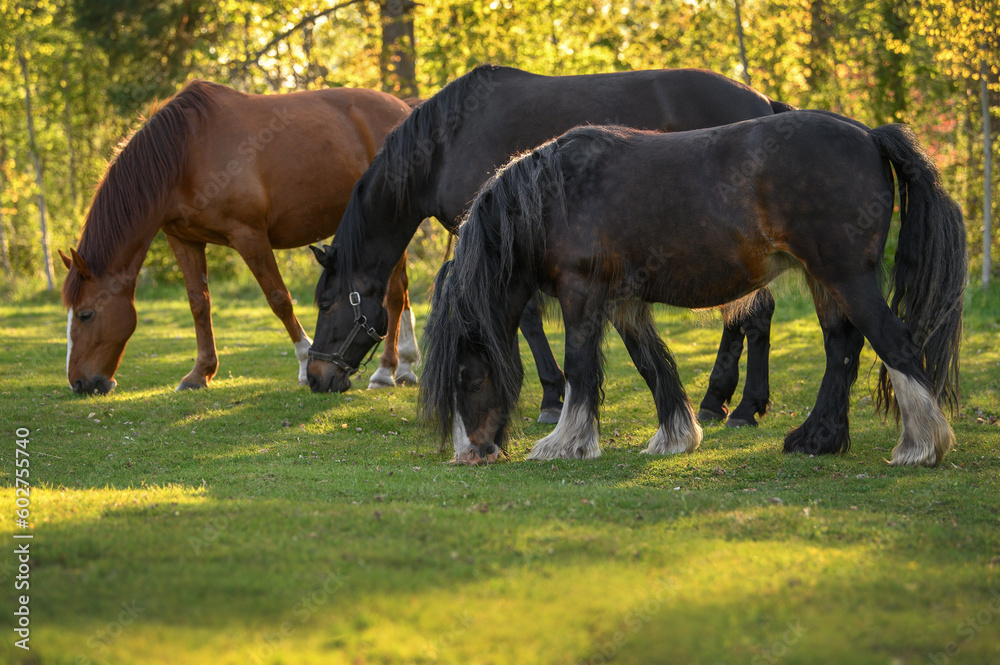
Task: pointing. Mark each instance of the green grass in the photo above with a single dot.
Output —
(256, 522)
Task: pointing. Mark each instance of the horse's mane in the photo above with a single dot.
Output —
(503, 236)
(403, 163)
(146, 165)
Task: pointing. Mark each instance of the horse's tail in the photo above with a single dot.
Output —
(780, 107)
(930, 270)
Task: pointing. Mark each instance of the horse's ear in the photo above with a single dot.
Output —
(81, 265)
(68, 262)
(319, 254)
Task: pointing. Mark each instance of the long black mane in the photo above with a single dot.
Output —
(403, 163)
(501, 240)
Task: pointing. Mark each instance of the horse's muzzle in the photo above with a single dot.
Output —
(95, 385)
(325, 377)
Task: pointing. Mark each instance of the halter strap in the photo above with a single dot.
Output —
(360, 324)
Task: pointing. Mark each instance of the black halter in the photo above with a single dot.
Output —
(360, 324)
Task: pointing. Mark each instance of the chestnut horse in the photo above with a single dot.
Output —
(213, 165)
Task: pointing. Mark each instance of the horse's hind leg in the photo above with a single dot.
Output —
(725, 374)
(191, 258)
(549, 374)
(926, 435)
(576, 435)
(756, 325)
(826, 430)
(678, 430)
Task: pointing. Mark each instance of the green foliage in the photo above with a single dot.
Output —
(96, 65)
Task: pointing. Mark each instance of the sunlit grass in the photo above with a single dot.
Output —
(256, 522)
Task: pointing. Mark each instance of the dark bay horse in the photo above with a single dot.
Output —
(608, 220)
(213, 165)
(433, 164)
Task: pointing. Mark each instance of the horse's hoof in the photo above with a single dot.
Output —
(708, 416)
(738, 422)
(382, 378)
(188, 385)
(549, 416)
(406, 379)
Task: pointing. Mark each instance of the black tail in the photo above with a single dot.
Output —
(781, 107)
(931, 266)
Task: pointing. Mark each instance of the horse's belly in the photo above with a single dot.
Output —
(696, 284)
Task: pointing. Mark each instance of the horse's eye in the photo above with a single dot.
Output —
(476, 387)
(325, 305)
(85, 316)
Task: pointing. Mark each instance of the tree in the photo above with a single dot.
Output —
(39, 177)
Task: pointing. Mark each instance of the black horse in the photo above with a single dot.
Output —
(433, 164)
(610, 219)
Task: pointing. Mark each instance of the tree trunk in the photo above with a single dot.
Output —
(39, 180)
(398, 61)
(7, 270)
(987, 176)
(818, 51)
(68, 126)
(743, 51)
(891, 89)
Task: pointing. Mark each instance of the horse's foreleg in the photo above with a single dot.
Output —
(395, 297)
(678, 430)
(191, 258)
(549, 374)
(757, 389)
(826, 430)
(576, 433)
(259, 257)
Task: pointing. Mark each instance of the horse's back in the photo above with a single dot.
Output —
(523, 110)
(725, 206)
(283, 163)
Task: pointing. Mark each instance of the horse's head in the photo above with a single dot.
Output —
(468, 387)
(101, 319)
(479, 420)
(350, 322)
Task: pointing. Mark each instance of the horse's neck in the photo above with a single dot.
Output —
(131, 252)
(388, 230)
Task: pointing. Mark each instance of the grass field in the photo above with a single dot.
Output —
(256, 522)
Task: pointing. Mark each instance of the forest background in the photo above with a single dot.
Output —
(77, 75)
